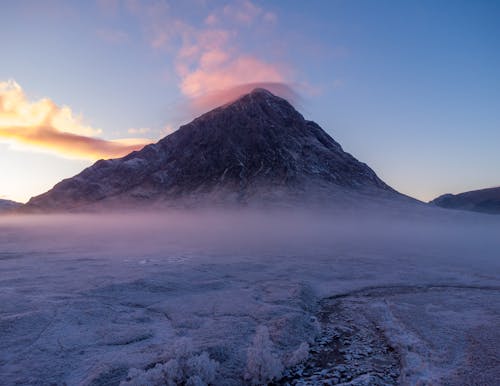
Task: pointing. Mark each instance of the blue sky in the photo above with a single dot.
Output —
(410, 88)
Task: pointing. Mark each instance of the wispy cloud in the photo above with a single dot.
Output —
(229, 72)
(213, 99)
(243, 11)
(140, 130)
(211, 60)
(209, 57)
(43, 125)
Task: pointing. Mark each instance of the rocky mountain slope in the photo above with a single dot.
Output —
(256, 149)
(483, 200)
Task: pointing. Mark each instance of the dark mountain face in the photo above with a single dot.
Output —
(258, 148)
(483, 200)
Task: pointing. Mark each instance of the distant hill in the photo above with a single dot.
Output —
(483, 200)
(257, 149)
(6, 205)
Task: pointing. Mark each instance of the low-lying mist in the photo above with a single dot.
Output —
(84, 297)
(246, 232)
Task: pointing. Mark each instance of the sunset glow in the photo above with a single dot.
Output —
(45, 126)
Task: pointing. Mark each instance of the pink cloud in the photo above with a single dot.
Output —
(213, 58)
(213, 99)
(229, 73)
(244, 12)
(209, 58)
(211, 20)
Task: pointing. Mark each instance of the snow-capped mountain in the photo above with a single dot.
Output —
(482, 200)
(255, 149)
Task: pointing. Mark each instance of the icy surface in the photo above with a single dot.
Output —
(377, 299)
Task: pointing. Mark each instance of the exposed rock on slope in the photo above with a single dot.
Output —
(256, 149)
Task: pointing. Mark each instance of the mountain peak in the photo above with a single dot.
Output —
(264, 93)
(258, 105)
(261, 91)
(258, 95)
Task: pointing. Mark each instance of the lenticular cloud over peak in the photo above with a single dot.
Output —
(221, 96)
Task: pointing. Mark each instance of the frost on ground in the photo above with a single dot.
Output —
(263, 366)
(182, 367)
(249, 298)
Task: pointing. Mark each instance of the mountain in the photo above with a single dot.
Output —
(483, 200)
(7, 205)
(257, 149)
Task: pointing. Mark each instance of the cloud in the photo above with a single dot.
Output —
(208, 56)
(210, 59)
(212, 66)
(244, 12)
(140, 130)
(211, 20)
(67, 144)
(224, 73)
(213, 99)
(155, 16)
(45, 126)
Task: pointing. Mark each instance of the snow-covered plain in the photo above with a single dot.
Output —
(411, 296)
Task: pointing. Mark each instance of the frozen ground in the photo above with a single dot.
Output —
(394, 299)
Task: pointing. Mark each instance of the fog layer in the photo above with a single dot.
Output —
(86, 298)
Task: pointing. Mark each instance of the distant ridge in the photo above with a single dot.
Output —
(482, 200)
(7, 205)
(257, 149)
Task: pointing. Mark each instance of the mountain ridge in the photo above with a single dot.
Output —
(481, 200)
(8, 205)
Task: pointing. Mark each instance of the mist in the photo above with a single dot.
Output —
(91, 297)
(298, 232)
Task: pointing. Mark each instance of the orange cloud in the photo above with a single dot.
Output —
(46, 126)
(67, 144)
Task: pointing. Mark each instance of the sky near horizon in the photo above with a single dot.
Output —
(412, 88)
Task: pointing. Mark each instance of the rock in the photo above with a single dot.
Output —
(256, 150)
